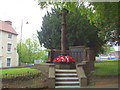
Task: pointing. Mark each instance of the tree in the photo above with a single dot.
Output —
(50, 28)
(106, 18)
(31, 50)
(79, 31)
(22, 52)
(108, 48)
(104, 15)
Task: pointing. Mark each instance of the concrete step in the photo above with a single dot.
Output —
(59, 78)
(66, 82)
(66, 74)
(66, 70)
(67, 86)
(67, 79)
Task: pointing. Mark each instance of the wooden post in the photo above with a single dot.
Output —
(63, 31)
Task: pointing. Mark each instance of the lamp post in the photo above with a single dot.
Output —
(21, 40)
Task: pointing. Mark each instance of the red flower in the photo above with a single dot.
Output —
(65, 59)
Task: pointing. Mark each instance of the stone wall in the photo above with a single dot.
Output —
(39, 81)
(44, 67)
(32, 81)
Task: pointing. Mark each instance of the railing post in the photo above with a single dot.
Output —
(81, 74)
(51, 78)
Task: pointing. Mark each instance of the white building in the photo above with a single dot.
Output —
(8, 45)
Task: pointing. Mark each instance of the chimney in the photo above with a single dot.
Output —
(9, 22)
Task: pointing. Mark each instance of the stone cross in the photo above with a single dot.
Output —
(63, 31)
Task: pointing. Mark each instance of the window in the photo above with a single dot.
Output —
(9, 47)
(10, 36)
(8, 62)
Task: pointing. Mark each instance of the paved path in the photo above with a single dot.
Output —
(104, 82)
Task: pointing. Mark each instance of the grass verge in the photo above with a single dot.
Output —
(17, 72)
(106, 68)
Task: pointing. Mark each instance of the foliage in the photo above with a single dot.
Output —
(103, 15)
(23, 55)
(51, 24)
(106, 18)
(30, 50)
(79, 31)
(107, 48)
(18, 71)
(106, 68)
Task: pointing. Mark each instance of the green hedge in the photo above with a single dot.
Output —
(113, 60)
(17, 72)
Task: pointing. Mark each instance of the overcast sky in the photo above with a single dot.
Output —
(26, 10)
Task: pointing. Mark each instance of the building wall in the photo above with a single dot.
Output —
(13, 54)
(0, 48)
(0, 43)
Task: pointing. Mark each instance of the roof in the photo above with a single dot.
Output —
(7, 27)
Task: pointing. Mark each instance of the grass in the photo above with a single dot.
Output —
(17, 71)
(106, 68)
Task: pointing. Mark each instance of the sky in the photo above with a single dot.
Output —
(19, 11)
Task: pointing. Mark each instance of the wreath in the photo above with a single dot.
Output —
(64, 59)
